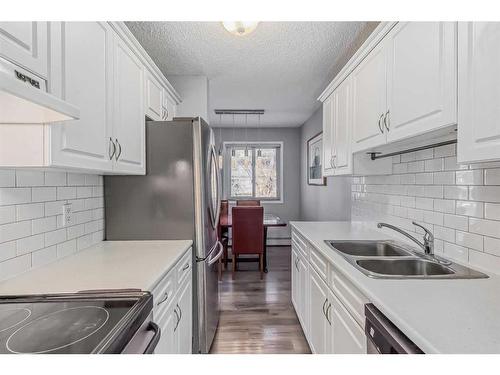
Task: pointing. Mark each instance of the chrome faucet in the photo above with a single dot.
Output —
(427, 245)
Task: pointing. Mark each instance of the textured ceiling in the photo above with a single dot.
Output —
(281, 67)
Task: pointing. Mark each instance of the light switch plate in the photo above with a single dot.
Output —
(67, 214)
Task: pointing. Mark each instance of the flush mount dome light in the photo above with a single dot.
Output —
(240, 28)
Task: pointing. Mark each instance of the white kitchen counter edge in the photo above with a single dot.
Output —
(105, 265)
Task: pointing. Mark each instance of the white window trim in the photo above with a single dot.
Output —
(253, 143)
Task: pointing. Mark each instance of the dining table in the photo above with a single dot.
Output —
(270, 221)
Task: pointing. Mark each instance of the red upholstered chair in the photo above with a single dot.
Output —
(248, 234)
(223, 236)
(248, 202)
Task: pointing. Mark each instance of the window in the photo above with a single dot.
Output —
(253, 171)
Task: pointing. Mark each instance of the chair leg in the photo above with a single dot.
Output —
(220, 269)
(234, 265)
(261, 266)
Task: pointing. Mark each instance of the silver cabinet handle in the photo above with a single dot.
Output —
(166, 113)
(333, 159)
(186, 266)
(379, 125)
(178, 318)
(297, 264)
(163, 113)
(331, 162)
(327, 314)
(324, 304)
(386, 121)
(111, 143)
(165, 297)
(119, 149)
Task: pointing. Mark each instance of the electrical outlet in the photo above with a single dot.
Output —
(67, 214)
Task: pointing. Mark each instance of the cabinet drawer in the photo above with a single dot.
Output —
(301, 244)
(319, 263)
(183, 267)
(163, 293)
(349, 295)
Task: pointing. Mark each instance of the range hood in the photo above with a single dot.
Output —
(24, 99)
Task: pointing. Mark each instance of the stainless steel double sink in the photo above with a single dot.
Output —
(392, 260)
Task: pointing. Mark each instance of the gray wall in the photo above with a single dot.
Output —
(321, 203)
(290, 208)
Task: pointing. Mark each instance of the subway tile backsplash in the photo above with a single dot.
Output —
(31, 204)
(460, 203)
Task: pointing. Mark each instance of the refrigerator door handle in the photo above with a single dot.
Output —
(202, 259)
(219, 254)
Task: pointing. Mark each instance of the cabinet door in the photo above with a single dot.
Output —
(154, 98)
(345, 335)
(128, 114)
(328, 136)
(184, 330)
(369, 99)
(319, 326)
(167, 322)
(342, 125)
(81, 73)
(302, 292)
(294, 276)
(25, 43)
(479, 91)
(422, 78)
(169, 106)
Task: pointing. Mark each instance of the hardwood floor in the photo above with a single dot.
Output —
(257, 315)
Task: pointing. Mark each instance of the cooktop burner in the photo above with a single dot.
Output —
(73, 324)
(11, 318)
(78, 323)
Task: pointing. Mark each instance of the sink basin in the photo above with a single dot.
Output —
(404, 267)
(369, 248)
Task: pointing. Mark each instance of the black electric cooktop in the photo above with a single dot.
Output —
(72, 323)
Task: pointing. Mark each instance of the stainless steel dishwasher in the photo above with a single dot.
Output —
(383, 337)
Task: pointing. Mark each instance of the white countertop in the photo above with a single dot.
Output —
(440, 316)
(107, 265)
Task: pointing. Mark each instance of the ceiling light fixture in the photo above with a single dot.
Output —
(240, 28)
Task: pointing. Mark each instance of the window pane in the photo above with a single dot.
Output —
(266, 182)
(241, 173)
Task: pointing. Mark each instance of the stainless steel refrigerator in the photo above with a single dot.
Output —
(178, 198)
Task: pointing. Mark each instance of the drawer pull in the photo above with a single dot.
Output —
(186, 266)
(165, 297)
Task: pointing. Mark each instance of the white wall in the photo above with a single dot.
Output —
(460, 204)
(194, 93)
(31, 203)
(321, 203)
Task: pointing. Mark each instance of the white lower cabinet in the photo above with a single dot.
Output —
(345, 334)
(328, 306)
(319, 325)
(173, 311)
(300, 281)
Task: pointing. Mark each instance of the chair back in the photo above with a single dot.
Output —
(248, 230)
(248, 202)
(224, 207)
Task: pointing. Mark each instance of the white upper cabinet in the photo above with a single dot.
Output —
(129, 116)
(342, 127)
(337, 128)
(100, 68)
(328, 169)
(154, 98)
(404, 84)
(81, 71)
(369, 99)
(479, 91)
(421, 78)
(25, 43)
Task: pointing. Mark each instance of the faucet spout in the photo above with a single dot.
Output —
(428, 244)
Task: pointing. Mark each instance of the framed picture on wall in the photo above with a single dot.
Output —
(315, 161)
